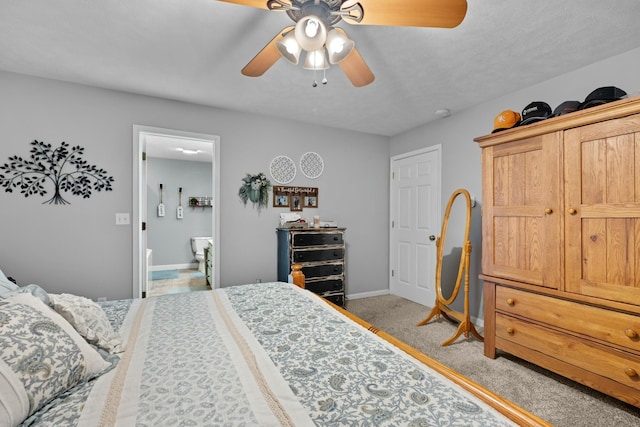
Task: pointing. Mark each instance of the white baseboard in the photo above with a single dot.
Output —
(368, 294)
(173, 267)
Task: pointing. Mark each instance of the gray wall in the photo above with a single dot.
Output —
(77, 248)
(169, 237)
(461, 163)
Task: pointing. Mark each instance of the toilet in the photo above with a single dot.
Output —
(198, 244)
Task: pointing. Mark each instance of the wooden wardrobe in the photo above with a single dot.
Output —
(561, 245)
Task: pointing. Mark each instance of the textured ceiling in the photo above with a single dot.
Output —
(194, 50)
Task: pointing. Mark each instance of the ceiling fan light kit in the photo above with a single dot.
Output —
(316, 34)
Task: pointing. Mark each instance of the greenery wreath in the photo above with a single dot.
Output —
(255, 188)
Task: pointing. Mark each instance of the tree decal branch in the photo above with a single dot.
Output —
(62, 166)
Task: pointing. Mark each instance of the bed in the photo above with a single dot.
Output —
(269, 354)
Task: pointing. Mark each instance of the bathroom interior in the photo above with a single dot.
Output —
(179, 218)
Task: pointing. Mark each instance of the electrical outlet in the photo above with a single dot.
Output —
(122, 219)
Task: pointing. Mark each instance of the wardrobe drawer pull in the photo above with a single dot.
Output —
(631, 373)
(631, 333)
(510, 330)
(511, 301)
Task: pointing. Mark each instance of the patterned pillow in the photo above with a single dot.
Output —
(41, 356)
(32, 289)
(89, 319)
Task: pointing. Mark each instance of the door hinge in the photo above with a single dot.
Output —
(393, 273)
(144, 155)
(143, 226)
(393, 224)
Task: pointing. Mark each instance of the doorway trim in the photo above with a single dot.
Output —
(139, 199)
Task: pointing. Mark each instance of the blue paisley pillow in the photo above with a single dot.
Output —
(41, 356)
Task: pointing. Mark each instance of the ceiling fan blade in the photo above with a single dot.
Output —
(356, 69)
(266, 57)
(260, 4)
(414, 13)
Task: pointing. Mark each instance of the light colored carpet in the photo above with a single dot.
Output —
(562, 402)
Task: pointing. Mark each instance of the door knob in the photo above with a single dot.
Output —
(572, 211)
(432, 237)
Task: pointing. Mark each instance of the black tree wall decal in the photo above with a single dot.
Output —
(62, 166)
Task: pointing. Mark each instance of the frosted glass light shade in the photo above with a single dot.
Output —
(289, 48)
(316, 60)
(311, 33)
(338, 46)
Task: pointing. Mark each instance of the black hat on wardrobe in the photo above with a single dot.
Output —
(566, 107)
(535, 112)
(602, 95)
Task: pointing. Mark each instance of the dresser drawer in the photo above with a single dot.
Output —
(321, 270)
(311, 255)
(316, 239)
(337, 299)
(609, 326)
(325, 285)
(619, 366)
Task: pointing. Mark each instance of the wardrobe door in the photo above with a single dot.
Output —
(602, 209)
(521, 212)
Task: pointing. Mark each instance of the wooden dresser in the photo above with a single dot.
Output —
(561, 245)
(320, 252)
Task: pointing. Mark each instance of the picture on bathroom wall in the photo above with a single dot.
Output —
(295, 198)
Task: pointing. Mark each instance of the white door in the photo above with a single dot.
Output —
(415, 224)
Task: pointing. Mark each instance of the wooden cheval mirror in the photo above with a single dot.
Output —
(442, 304)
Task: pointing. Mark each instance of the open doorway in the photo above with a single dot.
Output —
(166, 218)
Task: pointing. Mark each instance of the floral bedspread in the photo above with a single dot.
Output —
(345, 375)
(263, 354)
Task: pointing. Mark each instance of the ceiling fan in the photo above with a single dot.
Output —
(315, 32)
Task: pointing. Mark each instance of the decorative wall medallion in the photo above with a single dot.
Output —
(62, 166)
(282, 169)
(311, 165)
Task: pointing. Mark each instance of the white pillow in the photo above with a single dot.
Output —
(6, 285)
(89, 319)
(41, 356)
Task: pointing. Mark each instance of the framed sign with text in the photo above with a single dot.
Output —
(295, 198)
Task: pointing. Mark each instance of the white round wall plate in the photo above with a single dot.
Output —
(282, 169)
(311, 165)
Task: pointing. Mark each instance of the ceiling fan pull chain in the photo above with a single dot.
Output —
(324, 76)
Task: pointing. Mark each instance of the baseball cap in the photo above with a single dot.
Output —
(506, 120)
(602, 95)
(534, 112)
(566, 107)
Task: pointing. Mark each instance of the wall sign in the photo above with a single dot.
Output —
(63, 167)
(295, 198)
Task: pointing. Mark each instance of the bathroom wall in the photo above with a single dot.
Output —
(169, 237)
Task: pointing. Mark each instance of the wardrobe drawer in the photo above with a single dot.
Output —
(319, 239)
(325, 285)
(600, 323)
(320, 270)
(616, 365)
(317, 255)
